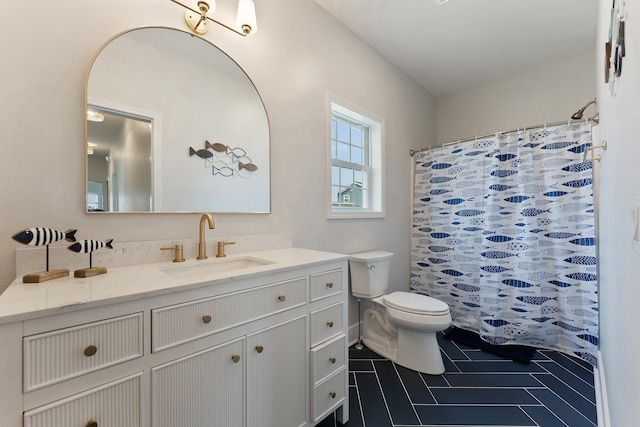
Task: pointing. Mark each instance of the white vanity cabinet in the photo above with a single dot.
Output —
(266, 349)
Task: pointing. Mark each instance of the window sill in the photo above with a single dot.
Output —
(355, 215)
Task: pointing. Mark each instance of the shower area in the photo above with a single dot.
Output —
(504, 231)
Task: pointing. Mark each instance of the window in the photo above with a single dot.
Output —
(355, 154)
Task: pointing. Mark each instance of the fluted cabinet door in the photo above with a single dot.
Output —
(202, 389)
(276, 376)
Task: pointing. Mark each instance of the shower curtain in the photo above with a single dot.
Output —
(503, 232)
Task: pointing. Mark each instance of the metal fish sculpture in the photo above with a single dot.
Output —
(87, 246)
(41, 236)
(220, 148)
(203, 154)
(225, 171)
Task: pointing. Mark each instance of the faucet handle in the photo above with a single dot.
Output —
(178, 252)
(221, 246)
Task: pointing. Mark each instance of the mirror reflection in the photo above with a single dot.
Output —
(174, 125)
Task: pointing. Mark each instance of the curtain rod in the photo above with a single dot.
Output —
(457, 141)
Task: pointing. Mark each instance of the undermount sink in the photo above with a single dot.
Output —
(214, 266)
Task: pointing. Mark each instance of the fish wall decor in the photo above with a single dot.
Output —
(224, 160)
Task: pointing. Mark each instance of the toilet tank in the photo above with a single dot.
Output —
(369, 272)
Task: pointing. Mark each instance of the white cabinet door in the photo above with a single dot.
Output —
(277, 376)
(202, 389)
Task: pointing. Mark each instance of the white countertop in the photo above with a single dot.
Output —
(22, 301)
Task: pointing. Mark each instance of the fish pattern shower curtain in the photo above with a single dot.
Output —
(503, 232)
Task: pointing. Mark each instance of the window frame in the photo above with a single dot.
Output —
(374, 173)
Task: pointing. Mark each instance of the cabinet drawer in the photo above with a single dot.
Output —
(115, 404)
(325, 284)
(180, 323)
(326, 323)
(327, 358)
(67, 353)
(329, 394)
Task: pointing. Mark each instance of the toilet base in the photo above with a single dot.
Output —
(419, 351)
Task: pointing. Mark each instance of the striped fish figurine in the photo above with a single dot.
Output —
(41, 236)
(87, 246)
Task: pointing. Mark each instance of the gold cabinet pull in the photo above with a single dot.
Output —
(330, 285)
(206, 319)
(235, 358)
(282, 298)
(332, 394)
(259, 348)
(332, 360)
(92, 423)
(330, 324)
(90, 351)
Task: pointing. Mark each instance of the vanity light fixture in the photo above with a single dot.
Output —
(198, 21)
(95, 116)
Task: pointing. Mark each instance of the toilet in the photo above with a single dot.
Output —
(400, 326)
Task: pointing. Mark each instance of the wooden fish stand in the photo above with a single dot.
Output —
(90, 272)
(44, 276)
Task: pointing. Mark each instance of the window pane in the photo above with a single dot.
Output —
(344, 152)
(343, 132)
(357, 176)
(356, 155)
(335, 191)
(335, 175)
(333, 129)
(346, 176)
(356, 136)
(334, 149)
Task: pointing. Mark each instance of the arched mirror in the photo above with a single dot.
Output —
(173, 125)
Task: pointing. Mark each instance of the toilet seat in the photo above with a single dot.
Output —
(414, 303)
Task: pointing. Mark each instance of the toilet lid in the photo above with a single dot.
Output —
(415, 303)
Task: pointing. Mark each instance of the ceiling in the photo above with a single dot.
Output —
(465, 43)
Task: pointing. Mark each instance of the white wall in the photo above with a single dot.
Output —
(298, 54)
(549, 93)
(619, 183)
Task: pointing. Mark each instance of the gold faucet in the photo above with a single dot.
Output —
(202, 246)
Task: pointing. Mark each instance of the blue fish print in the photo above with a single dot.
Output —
(579, 149)
(505, 157)
(516, 199)
(425, 199)
(585, 277)
(531, 145)
(502, 173)
(425, 229)
(497, 254)
(536, 230)
(439, 248)
(469, 212)
(541, 319)
(441, 166)
(532, 212)
(438, 260)
(534, 300)
(451, 272)
(474, 153)
(471, 304)
(438, 192)
(499, 239)
(584, 241)
(494, 269)
(567, 326)
(496, 322)
(555, 193)
(440, 179)
(456, 201)
(578, 183)
(517, 283)
(468, 288)
(557, 145)
(500, 187)
(472, 228)
(593, 340)
(582, 260)
(578, 167)
(560, 235)
(440, 235)
(560, 284)
(423, 264)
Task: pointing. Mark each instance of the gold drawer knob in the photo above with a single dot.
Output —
(332, 360)
(330, 324)
(330, 285)
(282, 298)
(92, 423)
(259, 348)
(332, 394)
(206, 319)
(90, 351)
(235, 358)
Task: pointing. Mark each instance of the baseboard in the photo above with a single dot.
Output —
(602, 403)
(353, 334)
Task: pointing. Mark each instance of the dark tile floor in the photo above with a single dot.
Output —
(477, 389)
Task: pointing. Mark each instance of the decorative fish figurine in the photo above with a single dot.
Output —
(41, 236)
(249, 166)
(225, 171)
(220, 148)
(203, 154)
(87, 246)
